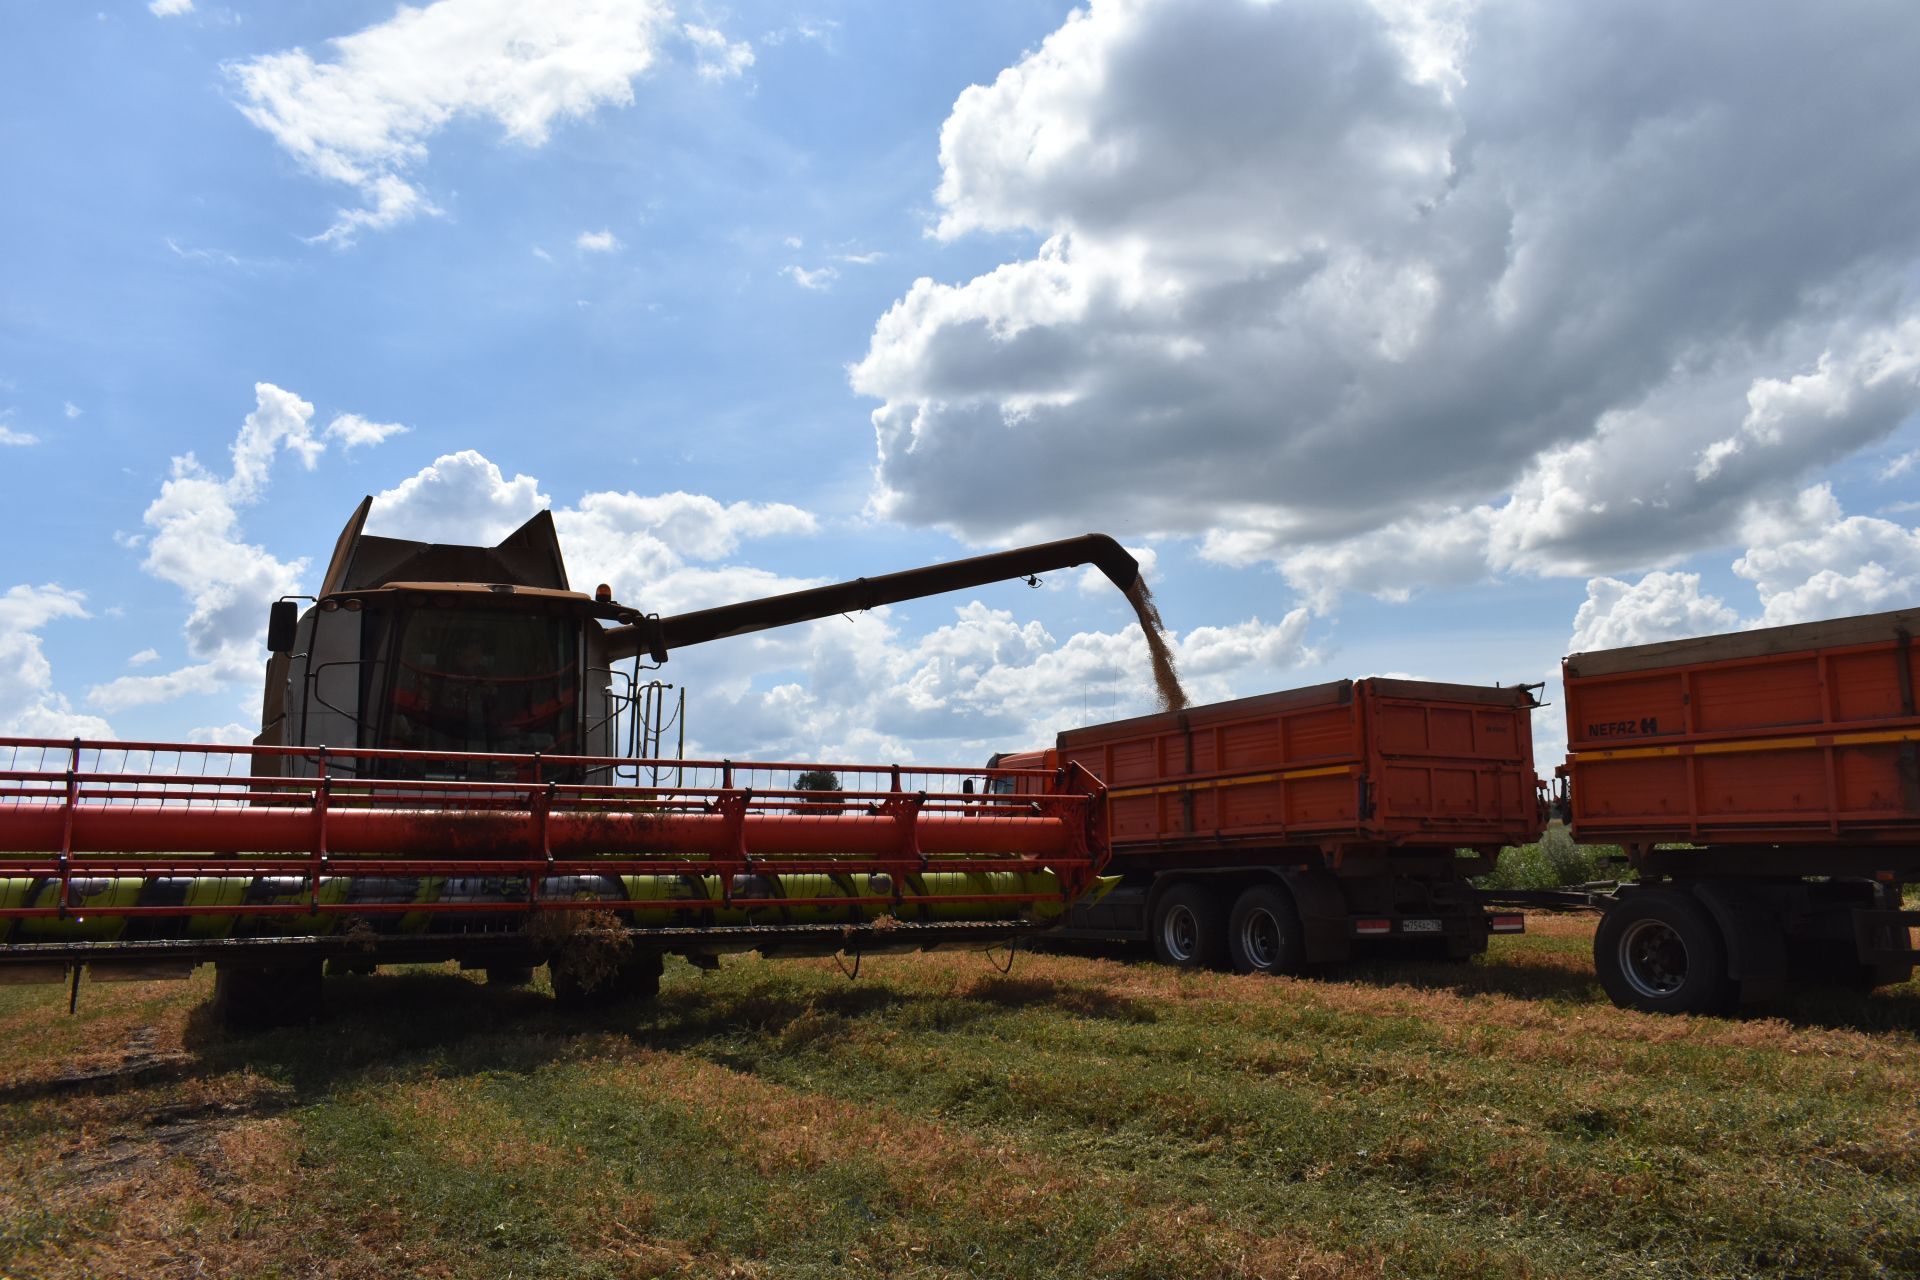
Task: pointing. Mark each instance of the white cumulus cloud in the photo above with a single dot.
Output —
(716, 57)
(858, 688)
(29, 706)
(602, 241)
(1855, 564)
(818, 278)
(1660, 606)
(1806, 559)
(9, 436)
(364, 116)
(458, 497)
(197, 544)
(634, 542)
(355, 432)
(1392, 293)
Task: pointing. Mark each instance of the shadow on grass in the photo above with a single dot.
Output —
(396, 1023)
(381, 1018)
(1092, 949)
(1519, 981)
(1840, 1009)
(1089, 1002)
(1807, 1004)
(392, 1023)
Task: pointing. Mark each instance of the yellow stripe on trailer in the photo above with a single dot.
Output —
(1747, 744)
(1215, 784)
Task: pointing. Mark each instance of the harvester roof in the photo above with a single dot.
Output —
(527, 557)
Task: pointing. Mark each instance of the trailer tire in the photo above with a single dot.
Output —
(1264, 934)
(1657, 951)
(1190, 928)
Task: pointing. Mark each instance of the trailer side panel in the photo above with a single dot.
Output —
(1790, 736)
(1403, 765)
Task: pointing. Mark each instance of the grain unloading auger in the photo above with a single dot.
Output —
(437, 778)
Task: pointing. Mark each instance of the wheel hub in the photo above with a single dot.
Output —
(1260, 939)
(1181, 933)
(1653, 958)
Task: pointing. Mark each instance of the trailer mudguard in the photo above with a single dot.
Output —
(1756, 944)
(1323, 913)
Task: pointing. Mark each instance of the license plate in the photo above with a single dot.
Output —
(1420, 926)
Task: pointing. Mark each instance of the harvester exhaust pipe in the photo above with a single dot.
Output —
(659, 636)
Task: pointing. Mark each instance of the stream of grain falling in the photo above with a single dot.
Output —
(1165, 678)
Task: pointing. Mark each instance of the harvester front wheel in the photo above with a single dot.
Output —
(1190, 928)
(1658, 951)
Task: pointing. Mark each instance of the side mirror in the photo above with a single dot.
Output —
(283, 623)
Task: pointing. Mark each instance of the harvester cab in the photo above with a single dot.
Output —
(415, 646)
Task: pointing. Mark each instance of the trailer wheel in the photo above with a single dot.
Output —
(1657, 951)
(1190, 928)
(1264, 933)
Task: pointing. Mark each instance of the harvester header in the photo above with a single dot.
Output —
(143, 852)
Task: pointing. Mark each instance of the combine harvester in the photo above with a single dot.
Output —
(437, 778)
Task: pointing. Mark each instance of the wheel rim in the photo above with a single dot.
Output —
(1181, 932)
(1653, 958)
(1260, 939)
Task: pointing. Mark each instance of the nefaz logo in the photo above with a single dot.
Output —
(1624, 728)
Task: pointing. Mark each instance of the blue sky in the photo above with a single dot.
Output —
(1430, 338)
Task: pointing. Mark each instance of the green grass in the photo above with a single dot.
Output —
(1079, 1117)
(1554, 862)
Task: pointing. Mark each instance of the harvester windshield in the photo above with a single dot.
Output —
(488, 682)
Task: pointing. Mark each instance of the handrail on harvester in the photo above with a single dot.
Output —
(82, 812)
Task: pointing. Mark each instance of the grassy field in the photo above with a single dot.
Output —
(1082, 1116)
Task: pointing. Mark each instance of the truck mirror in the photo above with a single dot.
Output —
(283, 621)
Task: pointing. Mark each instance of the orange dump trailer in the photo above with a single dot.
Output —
(1282, 830)
(1764, 785)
